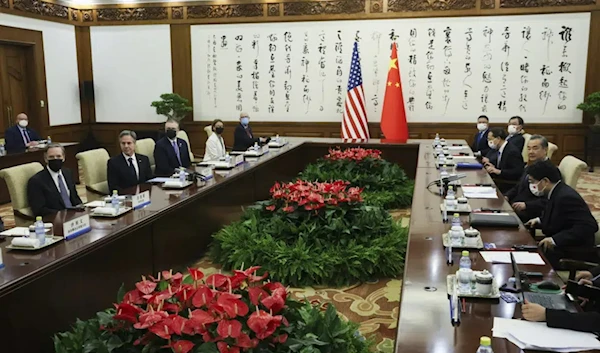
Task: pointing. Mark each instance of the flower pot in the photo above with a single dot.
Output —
(597, 118)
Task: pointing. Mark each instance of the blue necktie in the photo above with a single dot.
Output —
(176, 148)
(63, 192)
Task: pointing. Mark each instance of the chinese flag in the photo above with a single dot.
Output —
(393, 116)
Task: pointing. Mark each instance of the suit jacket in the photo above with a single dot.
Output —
(567, 218)
(43, 195)
(215, 148)
(511, 162)
(517, 141)
(584, 321)
(14, 139)
(243, 138)
(480, 143)
(166, 159)
(520, 193)
(119, 173)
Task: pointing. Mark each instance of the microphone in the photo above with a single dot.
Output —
(451, 178)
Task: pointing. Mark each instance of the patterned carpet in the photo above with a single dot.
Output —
(375, 304)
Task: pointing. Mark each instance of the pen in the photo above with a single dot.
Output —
(490, 185)
(464, 305)
(449, 249)
(451, 311)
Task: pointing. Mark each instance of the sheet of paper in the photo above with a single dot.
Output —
(464, 158)
(479, 192)
(16, 232)
(95, 204)
(456, 148)
(521, 257)
(159, 180)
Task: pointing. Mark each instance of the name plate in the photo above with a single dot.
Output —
(207, 173)
(265, 149)
(76, 227)
(140, 200)
(239, 159)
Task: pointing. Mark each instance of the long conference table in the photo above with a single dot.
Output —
(43, 292)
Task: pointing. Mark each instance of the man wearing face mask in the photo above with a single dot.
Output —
(243, 137)
(171, 152)
(480, 143)
(19, 137)
(127, 169)
(526, 204)
(52, 189)
(503, 161)
(515, 132)
(566, 222)
(215, 145)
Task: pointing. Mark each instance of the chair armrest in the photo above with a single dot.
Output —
(570, 264)
(94, 191)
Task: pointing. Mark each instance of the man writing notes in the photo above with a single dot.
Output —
(503, 161)
(515, 132)
(566, 221)
(215, 146)
(52, 189)
(523, 201)
(127, 169)
(170, 151)
(480, 143)
(242, 136)
(19, 137)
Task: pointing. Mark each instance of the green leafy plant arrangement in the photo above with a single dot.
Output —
(384, 184)
(329, 241)
(173, 106)
(234, 314)
(592, 105)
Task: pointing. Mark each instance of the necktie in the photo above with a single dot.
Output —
(132, 167)
(63, 192)
(248, 132)
(499, 157)
(25, 136)
(176, 148)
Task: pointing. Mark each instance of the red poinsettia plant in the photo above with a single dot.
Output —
(354, 154)
(311, 196)
(236, 312)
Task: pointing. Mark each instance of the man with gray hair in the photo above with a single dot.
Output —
(52, 189)
(526, 204)
(127, 169)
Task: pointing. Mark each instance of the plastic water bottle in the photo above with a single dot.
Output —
(40, 232)
(485, 345)
(182, 176)
(456, 220)
(451, 192)
(227, 158)
(277, 138)
(256, 146)
(464, 273)
(441, 159)
(114, 201)
(49, 140)
(2, 149)
(444, 171)
(436, 140)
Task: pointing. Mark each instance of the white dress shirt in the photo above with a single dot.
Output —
(54, 176)
(215, 148)
(135, 163)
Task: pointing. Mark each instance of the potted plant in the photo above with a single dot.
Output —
(173, 106)
(592, 105)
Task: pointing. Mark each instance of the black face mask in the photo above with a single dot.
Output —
(171, 134)
(219, 130)
(55, 164)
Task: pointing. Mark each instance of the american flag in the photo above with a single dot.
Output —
(354, 122)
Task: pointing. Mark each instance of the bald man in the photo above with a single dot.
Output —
(19, 137)
(243, 137)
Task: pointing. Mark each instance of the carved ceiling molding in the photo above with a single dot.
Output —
(312, 8)
(273, 9)
(87, 15)
(177, 12)
(4, 3)
(43, 8)
(376, 6)
(543, 3)
(430, 5)
(225, 11)
(132, 14)
(488, 4)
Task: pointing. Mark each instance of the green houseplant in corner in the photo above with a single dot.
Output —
(592, 105)
(173, 106)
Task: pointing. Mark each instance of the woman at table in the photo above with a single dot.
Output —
(215, 145)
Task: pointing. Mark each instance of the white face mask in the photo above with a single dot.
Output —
(482, 126)
(512, 129)
(23, 123)
(534, 188)
(492, 144)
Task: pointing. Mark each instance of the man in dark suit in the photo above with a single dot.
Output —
(503, 162)
(566, 222)
(526, 204)
(171, 152)
(52, 189)
(515, 132)
(127, 169)
(582, 321)
(480, 143)
(243, 137)
(18, 137)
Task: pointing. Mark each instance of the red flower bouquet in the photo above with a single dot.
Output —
(311, 196)
(355, 154)
(237, 313)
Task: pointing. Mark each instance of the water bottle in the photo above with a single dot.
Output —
(456, 220)
(40, 231)
(450, 199)
(444, 171)
(256, 146)
(49, 140)
(441, 159)
(181, 175)
(114, 201)
(2, 149)
(436, 140)
(277, 139)
(451, 193)
(227, 158)
(485, 345)
(464, 273)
